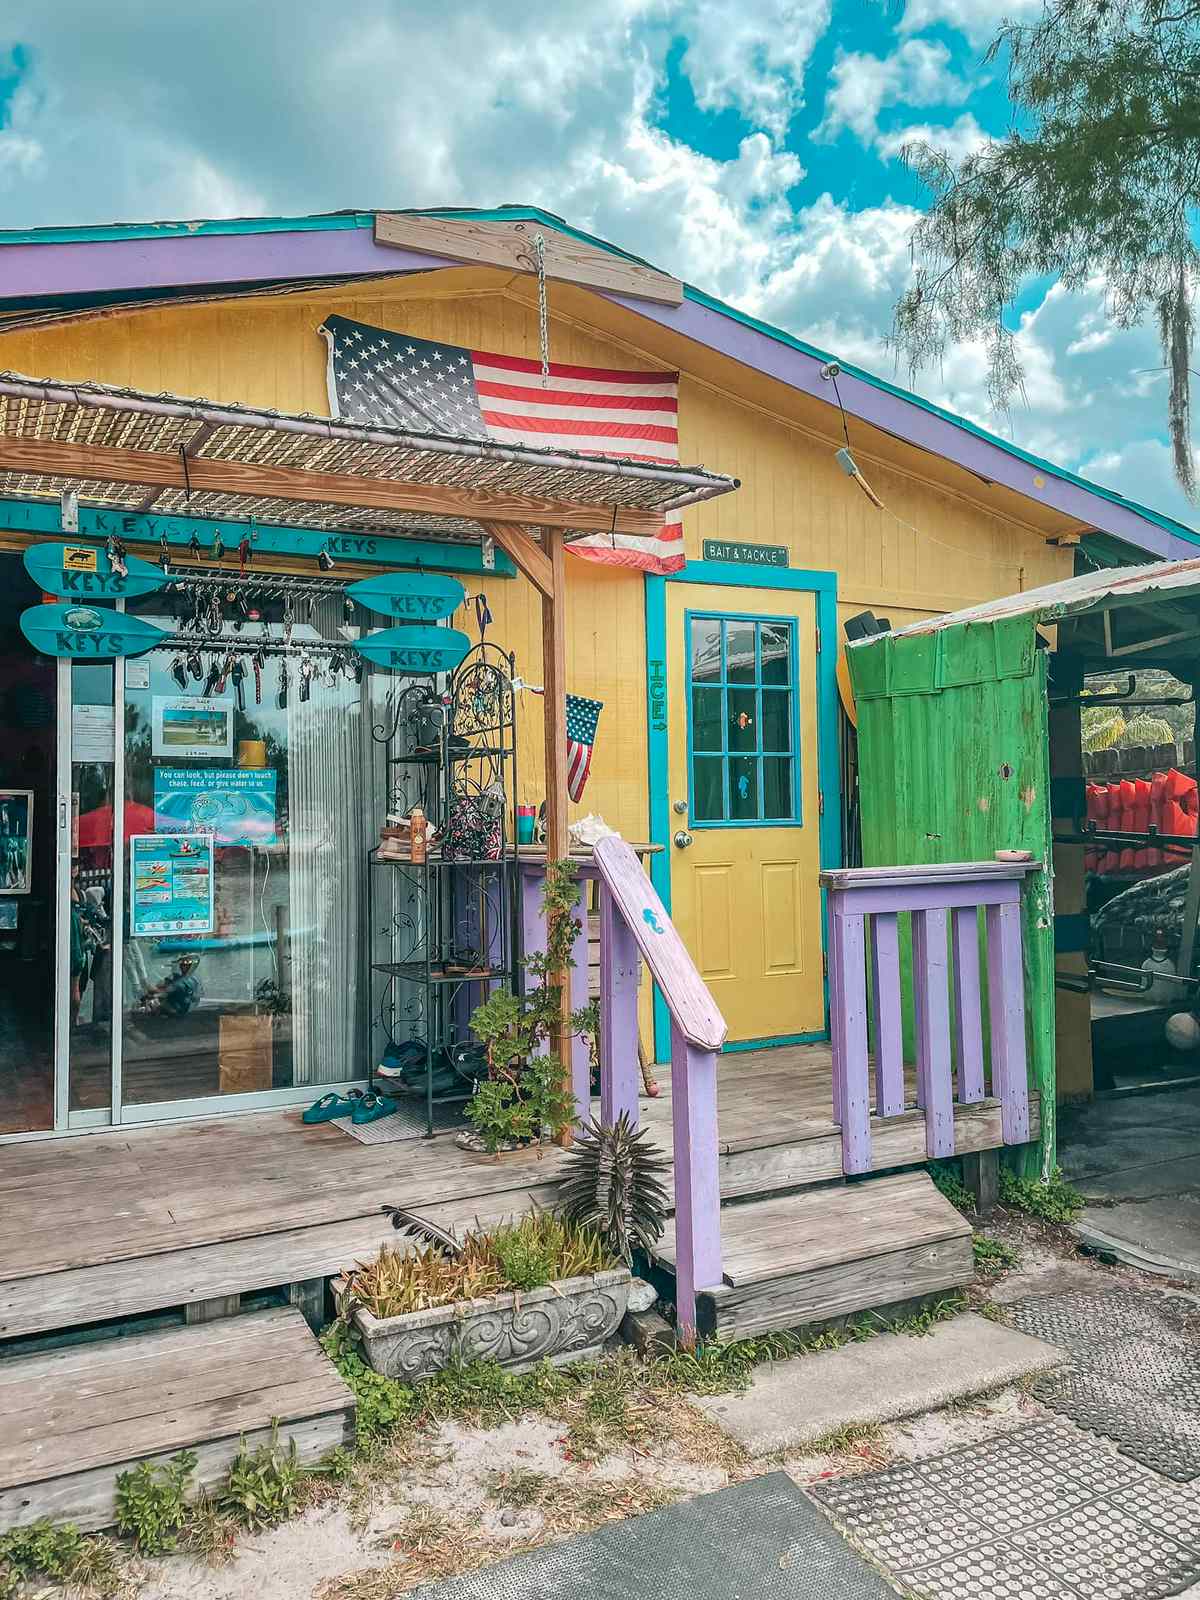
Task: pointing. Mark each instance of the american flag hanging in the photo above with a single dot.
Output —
(582, 716)
(395, 380)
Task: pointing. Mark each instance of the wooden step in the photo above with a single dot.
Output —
(797, 1259)
(77, 1417)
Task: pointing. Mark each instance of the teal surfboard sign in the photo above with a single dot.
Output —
(80, 571)
(88, 633)
(415, 650)
(409, 596)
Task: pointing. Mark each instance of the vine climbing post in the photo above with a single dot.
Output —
(554, 677)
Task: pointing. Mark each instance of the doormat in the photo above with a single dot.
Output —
(1042, 1513)
(408, 1121)
(1134, 1372)
(762, 1540)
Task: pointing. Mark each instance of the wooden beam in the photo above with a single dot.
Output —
(554, 699)
(528, 555)
(98, 465)
(510, 245)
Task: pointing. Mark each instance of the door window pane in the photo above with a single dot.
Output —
(742, 710)
(708, 798)
(708, 711)
(93, 754)
(777, 786)
(743, 719)
(706, 650)
(743, 789)
(740, 652)
(777, 719)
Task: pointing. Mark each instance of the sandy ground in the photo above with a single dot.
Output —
(363, 1545)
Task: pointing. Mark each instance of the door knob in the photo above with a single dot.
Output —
(683, 838)
(679, 807)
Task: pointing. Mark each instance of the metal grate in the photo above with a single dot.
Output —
(762, 1540)
(1044, 1513)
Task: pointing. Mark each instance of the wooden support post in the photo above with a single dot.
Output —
(1006, 1002)
(619, 972)
(581, 1057)
(309, 1296)
(697, 1178)
(222, 1305)
(981, 1175)
(931, 997)
(554, 699)
(848, 1032)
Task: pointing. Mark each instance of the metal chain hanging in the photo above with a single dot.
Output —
(539, 250)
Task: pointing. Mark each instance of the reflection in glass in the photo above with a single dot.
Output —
(776, 719)
(740, 652)
(707, 717)
(777, 787)
(93, 751)
(775, 642)
(705, 647)
(708, 786)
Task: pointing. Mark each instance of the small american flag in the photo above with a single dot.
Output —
(394, 380)
(582, 716)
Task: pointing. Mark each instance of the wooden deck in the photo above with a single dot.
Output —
(109, 1225)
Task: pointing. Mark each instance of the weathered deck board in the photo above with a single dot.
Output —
(77, 1417)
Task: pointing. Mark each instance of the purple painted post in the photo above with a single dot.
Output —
(697, 1177)
(968, 1014)
(619, 974)
(848, 1032)
(533, 923)
(889, 1019)
(931, 996)
(1006, 1001)
(581, 1061)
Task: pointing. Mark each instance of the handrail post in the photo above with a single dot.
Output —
(581, 1061)
(848, 1031)
(697, 1177)
(619, 974)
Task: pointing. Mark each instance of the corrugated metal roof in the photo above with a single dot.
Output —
(51, 411)
(1091, 591)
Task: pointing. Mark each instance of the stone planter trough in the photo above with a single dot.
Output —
(563, 1322)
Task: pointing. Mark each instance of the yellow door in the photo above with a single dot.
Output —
(744, 800)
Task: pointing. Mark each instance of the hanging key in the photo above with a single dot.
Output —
(310, 608)
(214, 672)
(237, 674)
(244, 555)
(218, 549)
(289, 620)
(179, 672)
(164, 553)
(226, 665)
(195, 547)
(359, 665)
(306, 676)
(260, 661)
(281, 699)
(195, 665)
(115, 551)
(348, 611)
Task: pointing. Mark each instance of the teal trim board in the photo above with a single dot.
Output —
(141, 527)
(740, 1045)
(730, 575)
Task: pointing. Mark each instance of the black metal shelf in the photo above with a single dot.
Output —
(432, 862)
(419, 972)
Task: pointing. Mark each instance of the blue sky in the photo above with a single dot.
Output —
(751, 146)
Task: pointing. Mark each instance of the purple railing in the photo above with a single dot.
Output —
(866, 1017)
(634, 926)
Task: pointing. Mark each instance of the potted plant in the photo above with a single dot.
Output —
(537, 1288)
(524, 1101)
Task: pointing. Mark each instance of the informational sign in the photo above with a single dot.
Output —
(190, 728)
(80, 571)
(137, 675)
(88, 633)
(170, 883)
(746, 555)
(93, 730)
(415, 650)
(237, 805)
(409, 596)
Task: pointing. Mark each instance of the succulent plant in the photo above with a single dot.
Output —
(614, 1185)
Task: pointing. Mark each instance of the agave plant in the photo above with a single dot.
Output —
(614, 1185)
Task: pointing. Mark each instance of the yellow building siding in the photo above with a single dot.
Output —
(933, 550)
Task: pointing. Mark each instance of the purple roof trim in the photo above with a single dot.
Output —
(120, 264)
(907, 421)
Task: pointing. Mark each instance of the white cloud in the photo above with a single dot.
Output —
(861, 85)
(958, 140)
(751, 58)
(980, 20)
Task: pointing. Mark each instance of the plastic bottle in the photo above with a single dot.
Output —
(1158, 961)
(418, 833)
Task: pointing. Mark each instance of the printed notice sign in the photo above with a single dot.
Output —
(190, 728)
(170, 883)
(237, 804)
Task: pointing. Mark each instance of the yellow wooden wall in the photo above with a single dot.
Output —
(937, 549)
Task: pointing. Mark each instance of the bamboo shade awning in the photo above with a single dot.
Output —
(126, 450)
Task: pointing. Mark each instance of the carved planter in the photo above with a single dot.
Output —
(565, 1321)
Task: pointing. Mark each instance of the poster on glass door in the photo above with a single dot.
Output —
(238, 805)
(170, 883)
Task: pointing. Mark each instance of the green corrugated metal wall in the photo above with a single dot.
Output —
(953, 766)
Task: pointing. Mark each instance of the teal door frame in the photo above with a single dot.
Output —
(658, 711)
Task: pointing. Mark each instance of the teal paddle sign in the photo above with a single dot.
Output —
(410, 596)
(90, 633)
(80, 571)
(415, 650)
